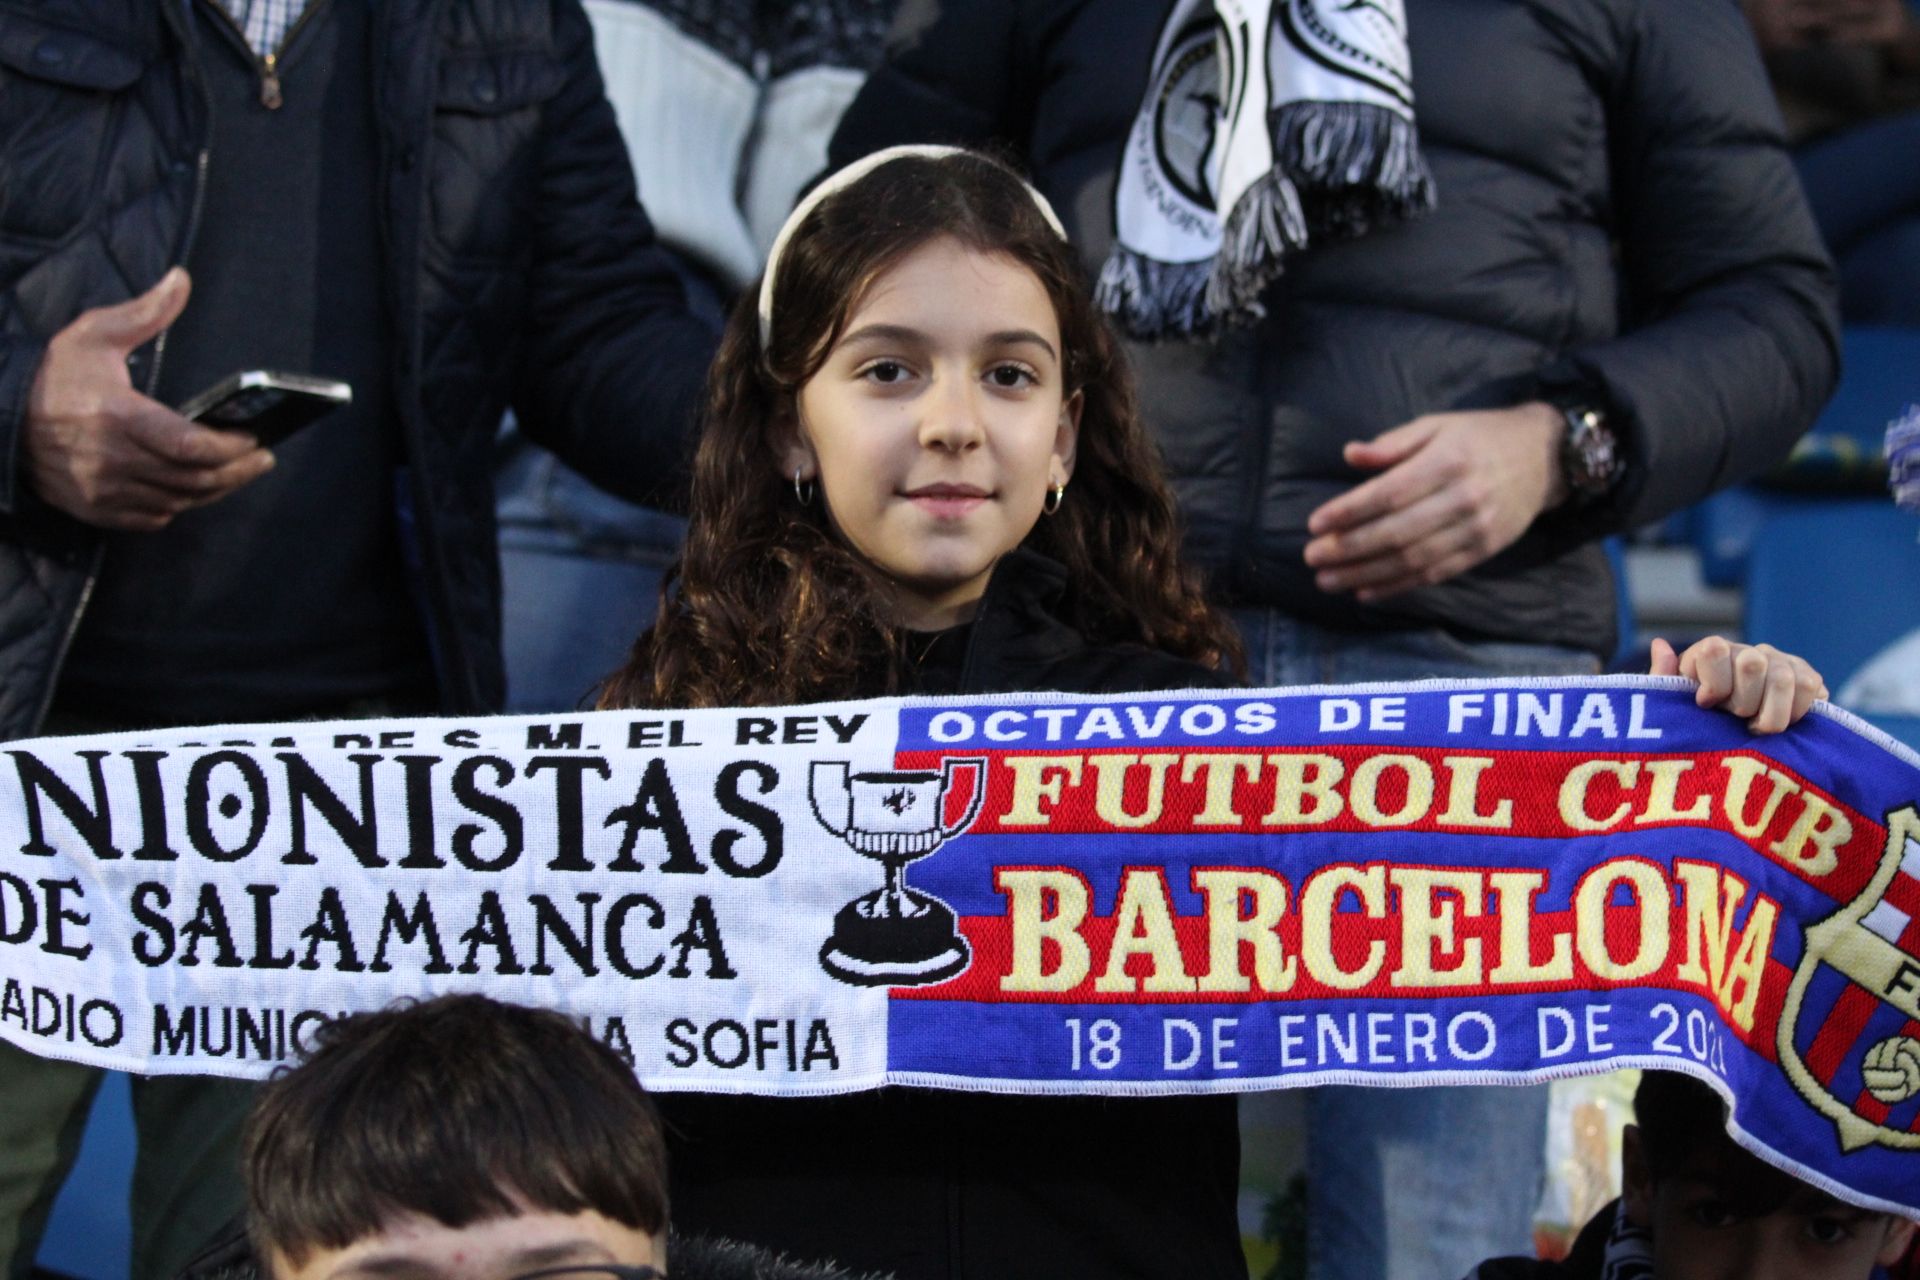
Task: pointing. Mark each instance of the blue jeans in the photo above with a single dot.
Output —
(580, 578)
(580, 570)
(1412, 1184)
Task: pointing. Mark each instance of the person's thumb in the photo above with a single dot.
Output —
(128, 324)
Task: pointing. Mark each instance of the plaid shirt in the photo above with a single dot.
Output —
(265, 22)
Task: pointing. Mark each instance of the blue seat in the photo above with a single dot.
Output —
(1724, 527)
(1837, 581)
(89, 1235)
(1881, 378)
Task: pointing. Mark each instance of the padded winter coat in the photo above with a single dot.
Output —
(1617, 221)
(519, 269)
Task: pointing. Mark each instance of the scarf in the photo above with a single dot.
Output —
(1205, 891)
(1267, 125)
(1629, 1253)
(1903, 458)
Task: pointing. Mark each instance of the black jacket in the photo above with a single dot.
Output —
(518, 268)
(1616, 218)
(939, 1185)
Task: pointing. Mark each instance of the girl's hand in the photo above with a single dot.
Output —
(1768, 688)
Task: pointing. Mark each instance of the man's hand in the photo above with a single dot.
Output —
(102, 452)
(1453, 489)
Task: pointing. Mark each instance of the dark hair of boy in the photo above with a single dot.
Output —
(1714, 1209)
(459, 1109)
(1677, 1116)
(765, 606)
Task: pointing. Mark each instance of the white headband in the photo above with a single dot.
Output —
(847, 177)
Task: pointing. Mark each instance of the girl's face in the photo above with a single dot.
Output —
(938, 423)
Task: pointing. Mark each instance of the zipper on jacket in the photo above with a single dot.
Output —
(268, 63)
(270, 96)
(193, 226)
(66, 639)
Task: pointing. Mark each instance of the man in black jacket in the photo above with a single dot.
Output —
(428, 199)
(1405, 469)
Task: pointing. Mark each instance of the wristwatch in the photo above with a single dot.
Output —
(1590, 458)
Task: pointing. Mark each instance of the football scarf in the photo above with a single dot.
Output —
(1390, 885)
(1903, 458)
(1267, 125)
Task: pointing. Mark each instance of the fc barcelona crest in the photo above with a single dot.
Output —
(1849, 1035)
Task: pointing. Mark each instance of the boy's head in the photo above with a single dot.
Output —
(458, 1137)
(1717, 1212)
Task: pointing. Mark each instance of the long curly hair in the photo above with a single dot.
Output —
(766, 605)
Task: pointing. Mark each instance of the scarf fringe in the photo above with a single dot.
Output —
(1343, 169)
(1266, 224)
(1335, 167)
(1150, 300)
(1357, 165)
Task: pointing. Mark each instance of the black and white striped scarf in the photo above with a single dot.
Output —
(1267, 125)
(1629, 1253)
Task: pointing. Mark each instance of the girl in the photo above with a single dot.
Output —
(923, 472)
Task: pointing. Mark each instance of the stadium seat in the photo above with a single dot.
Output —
(1880, 377)
(1837, 582)
(1724, 526)
(1842, 450)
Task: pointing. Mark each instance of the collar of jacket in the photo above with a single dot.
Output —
(1017, 629)
(1023, 641)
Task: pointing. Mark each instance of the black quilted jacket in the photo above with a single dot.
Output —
(519, 270)
(1617, 216)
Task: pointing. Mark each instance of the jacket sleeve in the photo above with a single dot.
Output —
(952, 73)
(1729, 344)
(19, 362)
(614, 363)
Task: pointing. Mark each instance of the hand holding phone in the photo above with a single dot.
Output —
(106, 455)
(268, 406)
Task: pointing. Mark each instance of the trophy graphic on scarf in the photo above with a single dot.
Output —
(894, 936)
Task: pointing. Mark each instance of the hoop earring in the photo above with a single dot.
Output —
(1055, 496)
(803, 490)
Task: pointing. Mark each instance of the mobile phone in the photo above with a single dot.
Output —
(269, 406)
